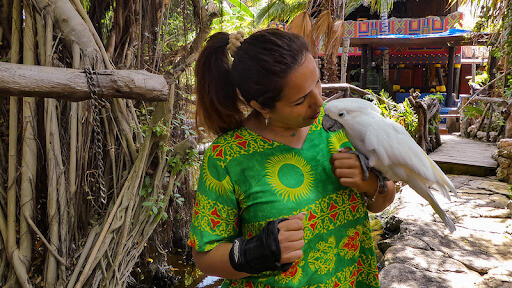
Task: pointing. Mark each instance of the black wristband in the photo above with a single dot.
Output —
(260, 253)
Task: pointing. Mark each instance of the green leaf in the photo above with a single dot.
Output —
(164, 216)
(242, 7)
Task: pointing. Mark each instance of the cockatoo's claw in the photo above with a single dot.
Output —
(381, 181)
(365, 164)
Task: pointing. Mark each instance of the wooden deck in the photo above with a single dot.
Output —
(464, 156)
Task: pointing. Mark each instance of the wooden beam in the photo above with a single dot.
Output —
(71, 84)
(344, 87)
(455, 40)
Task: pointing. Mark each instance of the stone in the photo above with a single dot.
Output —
(462, 180)
(462, 245)
(478, 210)
(507, 142)
(498, 277)
(507, 152)
(495, 187)
(413, 242)
(498, 201)
(384, 245)
(501, 174)
(404, 276)
(489, 225)
(502, 273)
(504, 162)
(400, 275)
(433, 261)
(393, 223)
(481, 135)
(495, 155)
(493, 136)
(474, 260)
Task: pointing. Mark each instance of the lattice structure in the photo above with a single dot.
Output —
(404, 26)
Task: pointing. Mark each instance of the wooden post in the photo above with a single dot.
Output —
(439, 73)
(473, 76)
(396, 85)
(385, 63)
(456, 84)
(364, 66)
(493, 63)
(449, 100)
(71, 84)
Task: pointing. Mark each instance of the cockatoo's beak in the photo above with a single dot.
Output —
(330, 125)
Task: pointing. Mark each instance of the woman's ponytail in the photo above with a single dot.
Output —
(217, 100)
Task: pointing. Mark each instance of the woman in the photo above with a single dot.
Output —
(279, 202)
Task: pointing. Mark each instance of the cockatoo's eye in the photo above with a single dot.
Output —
(341, 114)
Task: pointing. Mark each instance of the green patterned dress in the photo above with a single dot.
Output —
(247, 180)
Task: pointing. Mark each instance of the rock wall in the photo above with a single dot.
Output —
(504, 158)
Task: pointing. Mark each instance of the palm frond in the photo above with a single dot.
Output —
(301, 24)
(380, 5)
(351, 5)
(333, 45)
(322, 27)
(280, 10)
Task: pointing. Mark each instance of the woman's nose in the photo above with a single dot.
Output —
(318, 101)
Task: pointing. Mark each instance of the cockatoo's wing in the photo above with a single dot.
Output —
(390, 147)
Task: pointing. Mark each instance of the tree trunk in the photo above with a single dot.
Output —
(385, 28)
(344, 60)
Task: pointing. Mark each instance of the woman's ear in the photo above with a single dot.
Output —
(240, 97)
(257, 106)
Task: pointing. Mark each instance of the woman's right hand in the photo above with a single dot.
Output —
(291, 238)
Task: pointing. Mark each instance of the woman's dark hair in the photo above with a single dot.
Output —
(259, 70)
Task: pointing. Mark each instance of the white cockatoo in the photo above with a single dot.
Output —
(389, 148)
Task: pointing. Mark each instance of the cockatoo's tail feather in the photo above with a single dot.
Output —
(424, 192)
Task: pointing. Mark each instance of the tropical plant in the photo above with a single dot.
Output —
(234, 16)
(402, 113)
(495, 16)
(280, 11)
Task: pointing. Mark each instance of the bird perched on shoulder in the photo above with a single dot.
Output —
(389, 148)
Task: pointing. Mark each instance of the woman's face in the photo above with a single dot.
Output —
(302, 97)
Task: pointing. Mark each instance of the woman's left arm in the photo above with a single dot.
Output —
(347, 168)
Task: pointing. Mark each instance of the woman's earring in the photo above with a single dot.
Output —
(266, 120)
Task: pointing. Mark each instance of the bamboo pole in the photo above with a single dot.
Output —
(13, 253)
(13, 137)
(73, 144)
(53, 214)
(29, 144)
